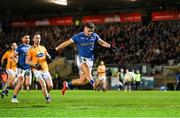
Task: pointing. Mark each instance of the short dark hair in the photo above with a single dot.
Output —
(36, 33)
(23, 34)
(90, 25)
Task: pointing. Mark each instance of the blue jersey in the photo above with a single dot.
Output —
(85, 44)
(22, 51)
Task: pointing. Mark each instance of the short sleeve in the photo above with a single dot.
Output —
(74, 38)
(17, 50)
(97, 37)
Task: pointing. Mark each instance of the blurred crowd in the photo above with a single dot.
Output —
(154, 43)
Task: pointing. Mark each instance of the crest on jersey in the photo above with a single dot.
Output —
(40, 55)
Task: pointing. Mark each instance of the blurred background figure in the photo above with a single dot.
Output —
(9, 60)
(121, 78)
(137, 80)
(129, 78)
(178, 80)
(102, 75)
(3, 78)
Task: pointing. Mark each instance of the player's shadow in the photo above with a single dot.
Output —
(38, 106)
(33, 106)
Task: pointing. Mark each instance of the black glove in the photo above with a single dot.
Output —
(54, 53)
(113, 49)
(38, 66)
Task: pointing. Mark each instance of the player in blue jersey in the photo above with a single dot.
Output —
(85, 42)
(24, 70)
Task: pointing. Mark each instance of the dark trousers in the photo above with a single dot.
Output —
(138, 85)
(178, 86)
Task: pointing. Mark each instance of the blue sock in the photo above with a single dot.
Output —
(70, 85)
(91, 81)
(14, 96)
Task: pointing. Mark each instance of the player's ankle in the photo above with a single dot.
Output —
(92, 82)
(14, 96)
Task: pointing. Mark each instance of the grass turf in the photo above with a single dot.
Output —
(85, 103)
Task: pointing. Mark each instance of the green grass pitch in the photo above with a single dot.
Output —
(84, 103)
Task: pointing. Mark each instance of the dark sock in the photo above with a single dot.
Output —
(46, 97)
(91, 81)
(7, 88)
(14, 96)
(70, 85)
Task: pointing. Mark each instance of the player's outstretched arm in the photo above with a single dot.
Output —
(107, 45)
(64, 44)
(104, 43)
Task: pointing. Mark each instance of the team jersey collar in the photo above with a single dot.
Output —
(86, 35)
(24, 44)
(36, 46)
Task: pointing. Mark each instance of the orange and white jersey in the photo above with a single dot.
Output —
(38, 56)
(11, 63)
(101, 71)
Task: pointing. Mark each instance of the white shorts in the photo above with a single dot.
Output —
(129, 77)
(11, 72)
(81, 60)
(43, 75)
(22, 73)
(103, 79)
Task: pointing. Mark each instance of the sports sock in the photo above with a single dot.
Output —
(91, 81)
(7, 88)
(69, 85)
(3, 91)
(47, 97)
(14, 96)
(27, 88)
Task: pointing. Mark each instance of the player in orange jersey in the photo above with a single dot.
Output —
(102, 74)
(4, 77)
(36, 58)
(11, 67)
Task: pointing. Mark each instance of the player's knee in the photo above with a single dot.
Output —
(50, 86)
(20, 78)
(43, 86)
